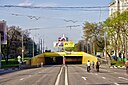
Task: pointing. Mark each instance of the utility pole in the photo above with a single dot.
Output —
(23, 41)
(43, 45)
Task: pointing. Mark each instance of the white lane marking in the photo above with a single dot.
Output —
(122, 78)
(58, 77)
(104, 77)
(116, 84)
(30, 75)
(96, 74)
(22, 79)
(105, 70)
(85, 78)
(66, 76)
(115, 72)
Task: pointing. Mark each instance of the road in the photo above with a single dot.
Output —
(65, 75)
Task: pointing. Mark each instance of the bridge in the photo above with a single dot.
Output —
(55, 58)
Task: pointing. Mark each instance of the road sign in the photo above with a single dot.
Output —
(69, 44)
(3, 32)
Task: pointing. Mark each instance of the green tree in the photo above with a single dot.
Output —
(94, 34)
(118, 32)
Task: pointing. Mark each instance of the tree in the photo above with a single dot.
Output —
(14, 43)
(93, 33)
(118, 32)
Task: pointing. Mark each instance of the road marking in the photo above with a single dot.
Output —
(22, 79)
(96, 74)
(105, 70)
(122, 78)
(85, 78)
(66, 76)
(30, 75)
(103, 77)
(116, 84)
(58, 77)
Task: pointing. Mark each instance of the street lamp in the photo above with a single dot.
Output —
(105, 44)
(23, 41)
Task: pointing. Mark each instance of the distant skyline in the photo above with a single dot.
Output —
(53, 23)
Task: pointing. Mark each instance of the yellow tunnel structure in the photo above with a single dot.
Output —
(52, 58)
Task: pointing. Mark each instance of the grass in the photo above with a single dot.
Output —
(117, 63)
(11, 63)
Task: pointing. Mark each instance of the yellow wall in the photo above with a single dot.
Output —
(89, 57)
(41, 58)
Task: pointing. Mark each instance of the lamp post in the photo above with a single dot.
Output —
(23, 41)
(105, 44)
(33, 47)
(22, 47)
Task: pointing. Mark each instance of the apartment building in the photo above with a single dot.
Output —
(118, 5)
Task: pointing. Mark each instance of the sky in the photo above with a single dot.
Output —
(53, 23)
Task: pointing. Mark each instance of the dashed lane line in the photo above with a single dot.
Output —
(22, 79)
(85, 78)
(122, 78)
(104, 77)
(96, 74)
(116, 83)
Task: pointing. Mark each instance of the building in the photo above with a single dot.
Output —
(118, 5)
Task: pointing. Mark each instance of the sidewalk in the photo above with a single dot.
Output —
(3, 71)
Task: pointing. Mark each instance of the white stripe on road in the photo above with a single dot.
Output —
(22, 79)
(96, 74)
(116, 84)
(85, 78)
(30, 75)
(58, 77)
(122, 78)
(104, 77)
(66, 76)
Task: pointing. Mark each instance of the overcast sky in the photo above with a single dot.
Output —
(53, 22)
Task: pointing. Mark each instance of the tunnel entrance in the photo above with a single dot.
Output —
(73, 59)
(53, 60)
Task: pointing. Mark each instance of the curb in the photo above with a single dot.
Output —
(2, 71)
(117, 67)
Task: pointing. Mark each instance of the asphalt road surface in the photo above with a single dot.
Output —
(66, 75)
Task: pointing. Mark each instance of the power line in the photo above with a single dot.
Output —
(63, 7)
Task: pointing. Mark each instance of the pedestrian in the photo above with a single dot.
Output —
(93, 63)
(42, 64)
(88, 66)
(97, 66)
(126, 64)
(20, 62)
